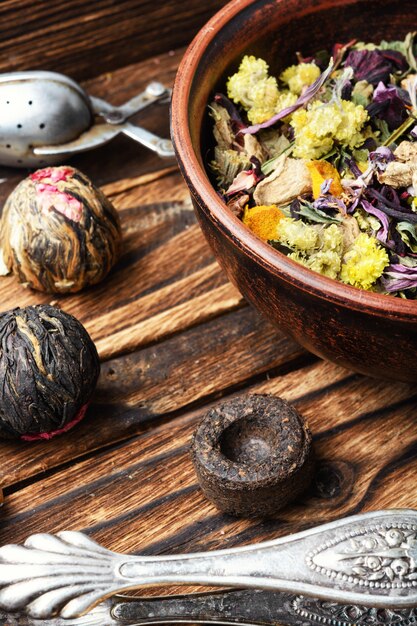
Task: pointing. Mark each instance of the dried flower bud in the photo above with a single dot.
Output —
(58, 232)
(49, 367)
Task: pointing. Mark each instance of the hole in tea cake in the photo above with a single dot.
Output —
(248, 441)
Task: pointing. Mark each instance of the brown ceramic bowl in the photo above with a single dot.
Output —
(366, 332)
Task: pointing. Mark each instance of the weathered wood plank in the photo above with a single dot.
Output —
(142, 495)
(163, 281)
(120, 186)
(193, 311)
(175, 337)
(136, 389)
(162, 271)
(85, 38)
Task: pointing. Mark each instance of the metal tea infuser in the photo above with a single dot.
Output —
(46, 117)
(357, 570)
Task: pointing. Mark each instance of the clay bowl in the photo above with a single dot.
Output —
(366, 332)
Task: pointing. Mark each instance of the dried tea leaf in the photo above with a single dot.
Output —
(49, 367)
(290, 179)
(58, 232)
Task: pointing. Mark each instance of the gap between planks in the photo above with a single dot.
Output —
(137, 390)
(126, 184)
(252, 385)
(199, 310)
(157, 499)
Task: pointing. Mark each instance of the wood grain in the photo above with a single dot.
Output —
(86, 38)
(158, 381)
(142, 496)
(155, 287)
(175, 337)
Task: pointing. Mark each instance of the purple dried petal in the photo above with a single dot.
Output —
(413, 131)
(396, 268)
(383, 152)
(381, 157)
(388, 196)
(388, 105)
(397, 59)
(353, 166)
(375, 65)
(325, 186)
(326, 203)
(305, 97)
(221, 99)
(382, 234)
(354, 204)
(399, 213)
(400, 277)
(383, 92)
(394, 285)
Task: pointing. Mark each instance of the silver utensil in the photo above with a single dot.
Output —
(100, 134)
(249, 607)
(46, 117)
(368, 559)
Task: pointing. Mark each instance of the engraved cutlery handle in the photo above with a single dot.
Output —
(368, 559)
(247, 607)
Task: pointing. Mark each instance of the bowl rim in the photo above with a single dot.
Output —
(205, 195)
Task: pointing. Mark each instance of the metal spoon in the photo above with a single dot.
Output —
(248, 607)
(46, 117)
(368, 559)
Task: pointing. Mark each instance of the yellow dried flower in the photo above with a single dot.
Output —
(263, 221)
(352, 119)
(325, 262)
(315, 246)
(256, 91)
(331, 238)
(265, 106)
(317, 128)
(297, 235)
(299, 76)
(364, 262)
(366, 222)
(250, 81)
(264, 100)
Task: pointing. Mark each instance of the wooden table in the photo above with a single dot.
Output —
(174, 337)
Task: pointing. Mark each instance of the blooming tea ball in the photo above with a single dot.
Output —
(58, 232)
(49, 368)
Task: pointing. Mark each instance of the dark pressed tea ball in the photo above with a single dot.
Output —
(253, 455)
(58, 232)
(49, 368)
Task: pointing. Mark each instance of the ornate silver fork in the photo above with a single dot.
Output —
(367, 559)
(248, 607)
